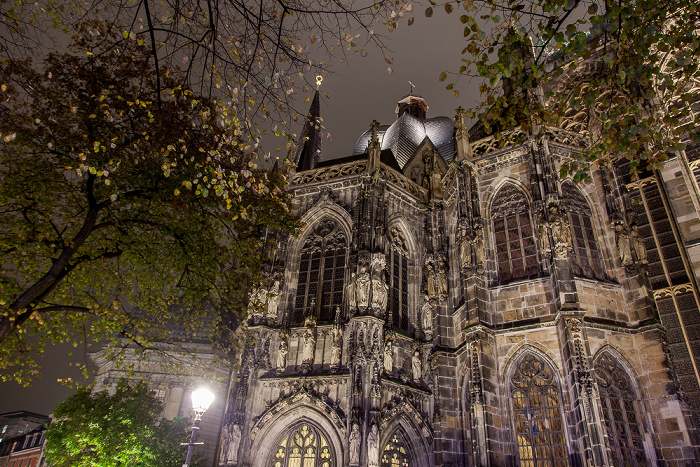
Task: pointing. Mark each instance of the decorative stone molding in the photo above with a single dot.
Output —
(405, 408)
(673, 290)
(329, 173)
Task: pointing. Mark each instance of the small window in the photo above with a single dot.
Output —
(304, 446)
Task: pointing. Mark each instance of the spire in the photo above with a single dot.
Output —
(308, 151)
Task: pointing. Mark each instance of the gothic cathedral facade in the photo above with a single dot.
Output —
(451, 301)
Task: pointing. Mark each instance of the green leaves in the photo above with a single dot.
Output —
(429, 12)
(443, 76)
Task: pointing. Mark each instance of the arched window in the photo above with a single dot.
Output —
(622, 420)
(398, 261)
(321, 272)
(395, 452)
(516, 254)
(539, 427)
(303, 446)
(587, 259)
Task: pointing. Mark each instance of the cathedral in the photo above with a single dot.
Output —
(452, 301)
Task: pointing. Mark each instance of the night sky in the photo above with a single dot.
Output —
(360, 92)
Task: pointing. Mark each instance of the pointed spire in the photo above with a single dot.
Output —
(308, 151)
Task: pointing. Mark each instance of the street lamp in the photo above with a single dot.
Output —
(201, 400)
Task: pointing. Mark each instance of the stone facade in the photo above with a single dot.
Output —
(474, 310)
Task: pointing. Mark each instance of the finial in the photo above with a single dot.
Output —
(412, 86)
(374, 125)
(319, 80)
(337, 315)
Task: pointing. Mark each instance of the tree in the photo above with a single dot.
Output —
(626, 73)
(102, 430)
(129, 209)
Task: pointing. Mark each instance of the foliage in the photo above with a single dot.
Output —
(261, 55)
(624, 72)
(99, 429)
(130, 208)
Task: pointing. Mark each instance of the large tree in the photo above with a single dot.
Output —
(623, 72)
(125, 428)
(130, 208)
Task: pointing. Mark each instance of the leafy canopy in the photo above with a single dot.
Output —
(626, 73)
(129, 208)
(103, 430)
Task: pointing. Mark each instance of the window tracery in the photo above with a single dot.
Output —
(536, 402)
(398, 261)
(622, 420)
(395, 452)
(587, 258)
(516, 253)
(321, 272)
(304, 446)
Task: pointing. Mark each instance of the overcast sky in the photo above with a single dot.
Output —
(360, 92)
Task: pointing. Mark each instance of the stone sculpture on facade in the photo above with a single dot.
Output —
(273, 299)
(362, 286)
(373, 447)
(465, 248)
(224, 445)
(638, 244)
(354, 441)
(623, 244)
(479, 251)
(389, 355)
(442, 277)
(430, 281)
(417, 366)
(542, 234)
(427, 318)
(234, 442)
(337, 348)
(282, 352)
(561, 232)
(379, 285)
(351, 291)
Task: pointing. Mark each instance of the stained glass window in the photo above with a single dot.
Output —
(516, 253)
(321, 272)
(619, 406)
(303, 447)
(539, 427)
(587, 259)
(399, 279)
(395, 453)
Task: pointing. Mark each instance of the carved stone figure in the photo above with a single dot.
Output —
(417, 366)
(233, 443)
(542, 238)
(337, 349)
(427, 314)
(561, 232)
(379, 292)
(362, 287)
(430, 283)
(309, 346)
(479, 247)
(373, 447)
(352, 297)
(623, 244)
(355, 440)
(258, 301)
(282, 353)
(465, 249)
(638, 244)
(224, 445)
(442, 278)
(389, 356)
(273, 299)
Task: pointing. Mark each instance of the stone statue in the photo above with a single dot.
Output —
(623, 244)
(479, 247)
(430, 284)
(388, 356)
(427, 314)
(337, 348)
(258, 301)
(352, 297)
(373, 447)
(309, 346)
(355, 440)
(224, 445)
(542, 238)
(282, 353)
(380, 292)
(233, 443)
(273, 299)
(442, 278)
(417, 366)
(362, 287)
(638, 244)
(465, 249)
(561, 232)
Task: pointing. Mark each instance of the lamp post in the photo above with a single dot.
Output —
(201, 400)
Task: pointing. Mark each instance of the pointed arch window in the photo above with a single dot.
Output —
(321, 272)
(398, 262)
(587, 258)
(536, 405)
(395, 453)
(622, 420)
(516, 253)
(304, 446)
